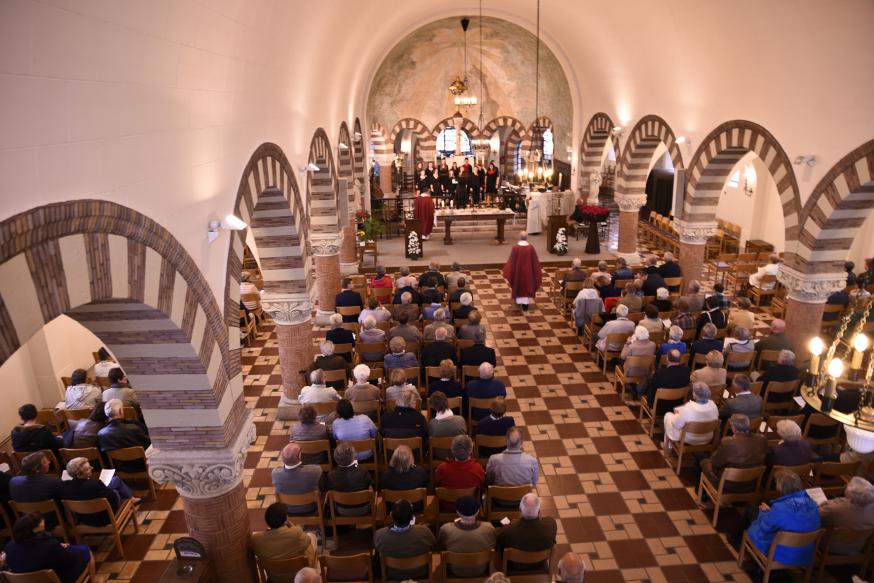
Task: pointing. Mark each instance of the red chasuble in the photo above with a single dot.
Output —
(522, 270)
(424, 210)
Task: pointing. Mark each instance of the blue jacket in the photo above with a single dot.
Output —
(794, 512)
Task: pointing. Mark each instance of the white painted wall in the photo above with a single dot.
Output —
(760, 216)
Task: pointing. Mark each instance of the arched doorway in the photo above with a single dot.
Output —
(599, 150)
(509, 132)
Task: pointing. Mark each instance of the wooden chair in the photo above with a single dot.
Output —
(54, 467)
(847, 536)
(353, 327)
(831, 317)
(739, 276)
(129, 454)
(431, 372)
(454, 403)
(783, 539)
(47, 576)
(363, 445)
(539, 564)
(767, 288)
(447, 497)
(92, 454)
(258, 312)
(684, 359)
(75, 414)
(720, 497)
(46, 508)
(437, 445)
(334, 376)
(114, 527)
(382, 294)
(698, 428)
(48, 417)
(474, 403)
(823, 423)
(779, 388)
(413, 375)
(248, 331)
(377, 376)
(505, 494)
(617, 339)
(566, 297)
(468, 371)
(344, 349)
(324, 409)
(346, 568)
(832, 477)
(674, 283)
(318, 447)
(408, 564)
(370, 248)
(288, 567)
(348, 311)
(333, 497)
(700, 361)
(738, 363)
(492, 442)
(414, 496)
(389, 444)
(637, 363)
(448, 560)
(661, 395)
(314, 518)
(11, 461)
(766, 359)
(372, 409)
(772, 421)
(770, 492)
(755, 426)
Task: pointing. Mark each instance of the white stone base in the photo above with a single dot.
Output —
(287, 409)
(323, 317)
(593, 201)
(348, 268)
(630, 258)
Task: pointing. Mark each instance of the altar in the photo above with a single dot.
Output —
(449, 216)
(541, 206)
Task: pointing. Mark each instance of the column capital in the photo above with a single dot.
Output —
(810, 288)
(323, 245)
(630, 203)
(694, 233)
(287, 309)
(203, 473)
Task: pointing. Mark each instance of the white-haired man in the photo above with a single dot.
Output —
(512, 467)
(466, 307)
(576, 273)
(776, 340)
(327, 360)
(120, 433)
(439, 322)
(522, 271)
(530, 533)
(621, 325)
(669, 268)
(317, 391)
(485, 387)
(855, 512)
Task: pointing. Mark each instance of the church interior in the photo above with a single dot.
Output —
(529, 290)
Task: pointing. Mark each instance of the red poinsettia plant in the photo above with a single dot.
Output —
(594, 213)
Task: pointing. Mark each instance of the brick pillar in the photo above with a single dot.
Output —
(693, 241)
(629, 216)
(326, 249)
(348, 253)
(221, 523)
(292, 315)
(806, 296)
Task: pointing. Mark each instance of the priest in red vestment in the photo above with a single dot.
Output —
(424, 210)
(522, 271)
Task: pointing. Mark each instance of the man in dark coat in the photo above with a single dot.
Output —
(348, 298)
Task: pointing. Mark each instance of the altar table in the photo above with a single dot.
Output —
(449, 216)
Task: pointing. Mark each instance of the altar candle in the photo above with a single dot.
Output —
(559, 180)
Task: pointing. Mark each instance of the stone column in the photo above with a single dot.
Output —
(292, 315)
(326, 249)
(210, 483)
(629, 216)
(593, 186)
(806, 294)
(348, 252)
(693, 246)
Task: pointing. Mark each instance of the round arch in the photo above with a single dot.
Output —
(542, 122)
(507, 147)
(427, 140)
(592, 147)
(637, 157)
(358, 154)
(346, 164)
(323, 199)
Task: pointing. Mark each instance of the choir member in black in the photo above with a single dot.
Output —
(443, 178)
(430, 171)
(464, 179)
(493, 179)
(459, 190)
(423, 183)
(475, 185)
(481, 172)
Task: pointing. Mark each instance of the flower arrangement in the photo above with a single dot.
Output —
(414, 248)
(594, 213)
(369, 226)
(560, 246)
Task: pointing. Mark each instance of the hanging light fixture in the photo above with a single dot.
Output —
(458, 88)
(481, 145)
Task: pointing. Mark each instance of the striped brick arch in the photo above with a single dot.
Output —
(640, 148)
(542, 122)
(716, 157)
(358, 154)
(323, 198)
(594, 144)
(508, 146)
(836, 210)
(130, 282)
(345, 164)
(379, 140)
(467, 125)
(427, 143)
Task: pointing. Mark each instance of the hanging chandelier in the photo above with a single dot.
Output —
(536, 170)
(459, 87)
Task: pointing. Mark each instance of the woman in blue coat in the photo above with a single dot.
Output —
(793, 511)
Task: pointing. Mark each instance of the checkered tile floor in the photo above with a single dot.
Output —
(617, 501)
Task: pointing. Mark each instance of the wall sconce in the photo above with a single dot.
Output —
(617, 131)
(309, 168)
(229, 223)
(683, 140)
(343, 146)
(808, 159)
(357, 136)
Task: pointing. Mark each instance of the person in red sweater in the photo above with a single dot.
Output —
(460, 471)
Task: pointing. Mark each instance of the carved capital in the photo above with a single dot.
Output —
(631, 203)
(325, 245)
(694, 233)
(203, 473)
(287, 309)
(810, 288)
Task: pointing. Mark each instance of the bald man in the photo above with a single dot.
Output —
(777, 340)
(293, 477)
(571, 568)
(307, 575)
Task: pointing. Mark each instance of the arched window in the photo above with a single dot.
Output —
(517, 159)
(548, 145)
(446, 143)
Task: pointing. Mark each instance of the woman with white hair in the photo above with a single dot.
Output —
(700, 408)
(638, 344)
(363, 390)
(371, 334)
(854, 511)
(80, 486)
(463, 311)
(674, 342)
(662, 301)
(588, 303)
(398, 386)
(792, 449)
(713, 374)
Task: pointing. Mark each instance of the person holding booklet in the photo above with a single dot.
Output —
(78, 485)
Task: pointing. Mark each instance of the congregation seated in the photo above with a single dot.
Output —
(81, 394)
(32, 548)
(327, 360)
(403, 473)
(651, 321)
(119, 389)
(744, 449)
(403, 539)
(407, 294)
(447, 383)
(84, 433)
(32, 436)
(120, 433)
(467, 534)
(673, 375)
(497, 422)
(652, 282)
(700, 408)
(669, 268)
(632, 297)
(375, 310)
(404, 279)
(438, 350)
(694, 298)
(771, 268)
(429, 309)
(363, 390)
(398, 385)
(485, 387)
(282, 540)
(712, 314)
(530, 533)
(398, 356)
(662, 301)
(407, 306)
(433, 271)
(576, 273)
(601, 271)
(854, 510)
(792, 449)
(724, 301)
(712, 373)
(36, 485)
(439, 322)
(405, 420)
(468, 331)
(777, 339)
(445, 422)
(339, 335)
(742, 401)
(587, 304)
(460, 470)
(430, 293)
(464, 310)
(317, 391)
(638, 344)
(622, 270)
(351, 427)
(460, 289)
(683, 319)
(784, 370)
(104, 363)
(793, 511)
(404, 330)
(371, 334)
(605, 288)
(82, 487)
(381, 280)
(743, 344)
(621, 325)
(479, 352)
(295, 477)
(309, 428)
(571, 568)
(741, 316)
(512, 467)
(707, 342)
(348, 477)
(348, 298)
(453, 277)
(674, 342)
